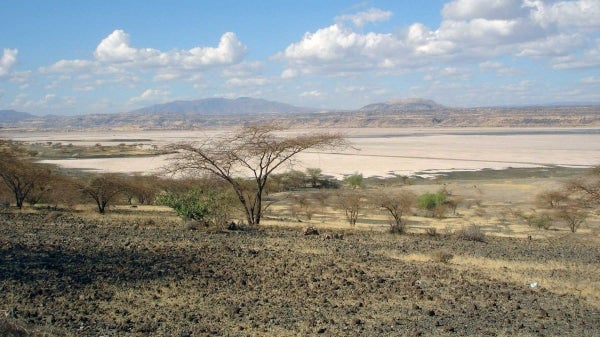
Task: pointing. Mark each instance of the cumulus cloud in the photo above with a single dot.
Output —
(471, 31)
(116, 48)
(368, 16)
(566, 14)
(9, 59)
(115, 55)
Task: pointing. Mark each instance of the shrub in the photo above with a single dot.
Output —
(435, 203)
(188, 205)
(471, 233)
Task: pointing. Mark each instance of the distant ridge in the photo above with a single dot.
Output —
(404, 105)
(13, 116)
(222, 106)
(227, 113)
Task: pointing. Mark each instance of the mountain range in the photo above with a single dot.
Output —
(223, 112)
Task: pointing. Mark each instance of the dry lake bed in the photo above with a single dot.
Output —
(376, 152)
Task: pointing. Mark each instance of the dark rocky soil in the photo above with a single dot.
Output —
(71, 276)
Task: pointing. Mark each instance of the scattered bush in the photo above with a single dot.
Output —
(471, 233)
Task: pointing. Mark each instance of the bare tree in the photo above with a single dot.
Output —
(253, 152)
(572, 216)
(350, 201)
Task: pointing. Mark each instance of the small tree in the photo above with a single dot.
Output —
(355, 180)
(314, 174)
(103, 189)
(350, 202)
(252, 152)
(23, 177)
(434, 203)
(397, 204)
(572, 216)
(552, 198)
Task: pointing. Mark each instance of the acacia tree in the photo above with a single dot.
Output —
(252, 152)
(396, 204)
(103, 189)
(22, 176)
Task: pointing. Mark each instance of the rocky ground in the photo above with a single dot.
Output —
(68, 275)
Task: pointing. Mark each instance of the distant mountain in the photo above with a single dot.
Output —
(12, 116)
(404, 105)
(222, 106)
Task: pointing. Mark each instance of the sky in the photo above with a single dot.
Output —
(67, 57)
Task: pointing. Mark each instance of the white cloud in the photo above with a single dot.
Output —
(554, 45)
(114, 56)
(583, 14)
(483, 9)
(339, 49)
(472, 31)
(151, 95)
(8, 60)
(368, 16)
(116, 49)
(589, 58)
(68, 66)
(246, 82)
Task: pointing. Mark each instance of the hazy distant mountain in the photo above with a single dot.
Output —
(404, 105)
(222, 106)
(12, 116)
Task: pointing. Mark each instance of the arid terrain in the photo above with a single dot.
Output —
(140, 272)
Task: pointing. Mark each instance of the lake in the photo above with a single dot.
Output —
(378, 151)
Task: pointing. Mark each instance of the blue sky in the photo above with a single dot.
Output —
(79, 57)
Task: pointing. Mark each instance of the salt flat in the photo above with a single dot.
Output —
(376, 152)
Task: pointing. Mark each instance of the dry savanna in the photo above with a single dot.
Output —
(225, 243)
